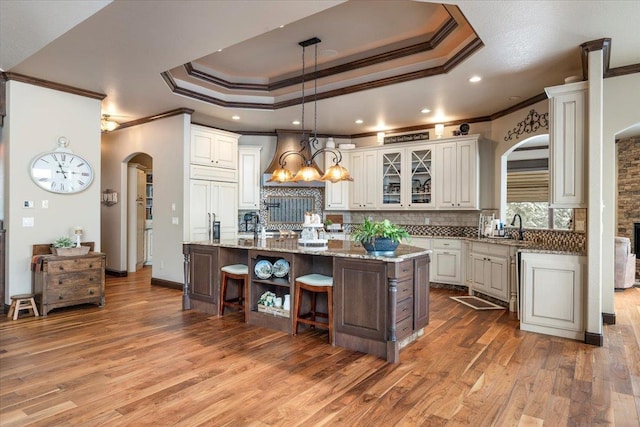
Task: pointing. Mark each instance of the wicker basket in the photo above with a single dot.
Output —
(273, 310)
(81, 250)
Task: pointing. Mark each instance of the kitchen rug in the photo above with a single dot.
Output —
(477, 303)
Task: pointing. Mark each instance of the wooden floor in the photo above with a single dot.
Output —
(142, 361)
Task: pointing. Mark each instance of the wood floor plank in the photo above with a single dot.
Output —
(142, 361)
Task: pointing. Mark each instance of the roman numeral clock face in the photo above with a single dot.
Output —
(61, 172)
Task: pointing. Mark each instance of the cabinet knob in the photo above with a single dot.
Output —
(90, 291)
(59, 296)
(90, 265)
(91, 279)
(61, 267)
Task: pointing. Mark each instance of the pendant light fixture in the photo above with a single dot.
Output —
(107, 125)
(307, 171)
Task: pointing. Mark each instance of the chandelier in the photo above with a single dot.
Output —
(107, 125)
(309, 143)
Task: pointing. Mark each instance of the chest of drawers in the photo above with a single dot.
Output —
(61, 281)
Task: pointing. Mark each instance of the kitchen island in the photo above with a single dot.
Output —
(381, 303)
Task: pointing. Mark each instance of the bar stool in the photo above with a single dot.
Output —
(238, 272)
(22, 302)
(314, 283)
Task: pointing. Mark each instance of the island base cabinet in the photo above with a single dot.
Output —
(552, 300)
(203, 277)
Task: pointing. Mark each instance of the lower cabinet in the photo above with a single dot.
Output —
(552, 297)
(447, 261)
(489, 270)
(379, 306)
(204, 273)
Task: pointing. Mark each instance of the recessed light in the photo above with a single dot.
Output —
(359, 121)
(219, 50)
(514, 98)
(425, 111)
(295, 122)
(235, 117)
(281, 26)
(475, 79)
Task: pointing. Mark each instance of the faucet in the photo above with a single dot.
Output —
(520, 230)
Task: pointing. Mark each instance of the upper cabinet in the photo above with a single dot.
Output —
(457, 175)
(336, 194)
(406, 177)
(362, 194)
(212, 147)
(567, 157)
(249, 177)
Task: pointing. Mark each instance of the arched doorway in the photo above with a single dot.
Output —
(139, 211)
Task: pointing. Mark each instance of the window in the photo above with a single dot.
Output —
(540, 215)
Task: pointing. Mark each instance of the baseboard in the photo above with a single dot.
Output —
(593, 339)
(609, 318)
(166, 283)
(115, 273)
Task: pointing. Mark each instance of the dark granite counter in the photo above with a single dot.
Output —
(335, 248)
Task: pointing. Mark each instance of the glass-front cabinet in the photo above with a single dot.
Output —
(406, 177)
(392, 182)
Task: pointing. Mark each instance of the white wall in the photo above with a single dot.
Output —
(165, 141)
(36, 117)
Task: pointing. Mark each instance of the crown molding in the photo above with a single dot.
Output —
(6, 76)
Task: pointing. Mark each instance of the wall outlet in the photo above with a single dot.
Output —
(28, 221)
(579, 225)
(174, 220)
(45, 204)
(427, 221)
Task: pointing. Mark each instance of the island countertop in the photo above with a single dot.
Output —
(335, 248)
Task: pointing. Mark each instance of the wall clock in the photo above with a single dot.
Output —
(61, 171)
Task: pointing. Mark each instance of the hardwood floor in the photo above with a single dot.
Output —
(141, 360)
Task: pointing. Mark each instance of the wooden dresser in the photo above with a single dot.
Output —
(61, 281)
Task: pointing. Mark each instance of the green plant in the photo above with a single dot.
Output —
(63, 242)
(371, 230)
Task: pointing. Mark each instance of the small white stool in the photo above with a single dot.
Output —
(22, 302)
(314, 283)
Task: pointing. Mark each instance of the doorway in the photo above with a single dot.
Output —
(139, 246)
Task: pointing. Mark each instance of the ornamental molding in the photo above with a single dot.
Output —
(530, 124)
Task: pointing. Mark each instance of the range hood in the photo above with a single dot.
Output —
(289, 141)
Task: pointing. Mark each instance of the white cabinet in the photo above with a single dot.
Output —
(362, 193)
(249, 177)
(567, 148)
(489, 270)
(212, 147)
(148, 245)
(406, 177)
(552, 298)
(457, 178)
(446, 261)
(208, 198)
(336, 195)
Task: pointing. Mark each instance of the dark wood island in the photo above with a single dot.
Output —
(381, 303)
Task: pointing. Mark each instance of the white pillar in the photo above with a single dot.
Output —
(595, 203)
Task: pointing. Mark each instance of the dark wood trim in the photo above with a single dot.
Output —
(609, 318)
(3, 100)
(166, 283)
(115, 273)
(622, 71)
(594, 339)
(604, 45)
(166, 114)
(520, 105)
(52, 85)
(464, 53)
(423, 127)
(541, 147)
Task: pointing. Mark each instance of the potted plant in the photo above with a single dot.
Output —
(380, 237)
(65, 246)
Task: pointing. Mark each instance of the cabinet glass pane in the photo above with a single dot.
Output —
(391, 168)
(421, 176)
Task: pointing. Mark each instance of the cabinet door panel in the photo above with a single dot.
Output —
(421, 293)
(226, 152)
(202, 144)
(204, 275)
(446, 182)
(480, 276)
(224, 202)
(466, 175)
(447, 266)
(199, 209)
(498, 282)
(249, 182)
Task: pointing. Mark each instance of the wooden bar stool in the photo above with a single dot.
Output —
(22, 302)
(238, 272)
(314, 283)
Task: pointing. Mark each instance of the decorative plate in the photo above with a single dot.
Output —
(263, 269)
(281, 268)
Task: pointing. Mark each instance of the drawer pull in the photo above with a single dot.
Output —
(91, 279)
(90, 291)
(61, 267)
(59, 282)
(59, 296)
(90, 265)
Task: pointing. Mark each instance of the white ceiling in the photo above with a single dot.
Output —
(120, 48)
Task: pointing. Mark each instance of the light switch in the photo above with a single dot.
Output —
(173, 207)
(28, 204)
(174, 220)
(45, 204)
(27, 221)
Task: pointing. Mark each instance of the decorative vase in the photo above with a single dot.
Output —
(286, 305)
(381, 246)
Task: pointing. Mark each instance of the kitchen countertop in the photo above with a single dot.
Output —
(335, 248)
(522, 245)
